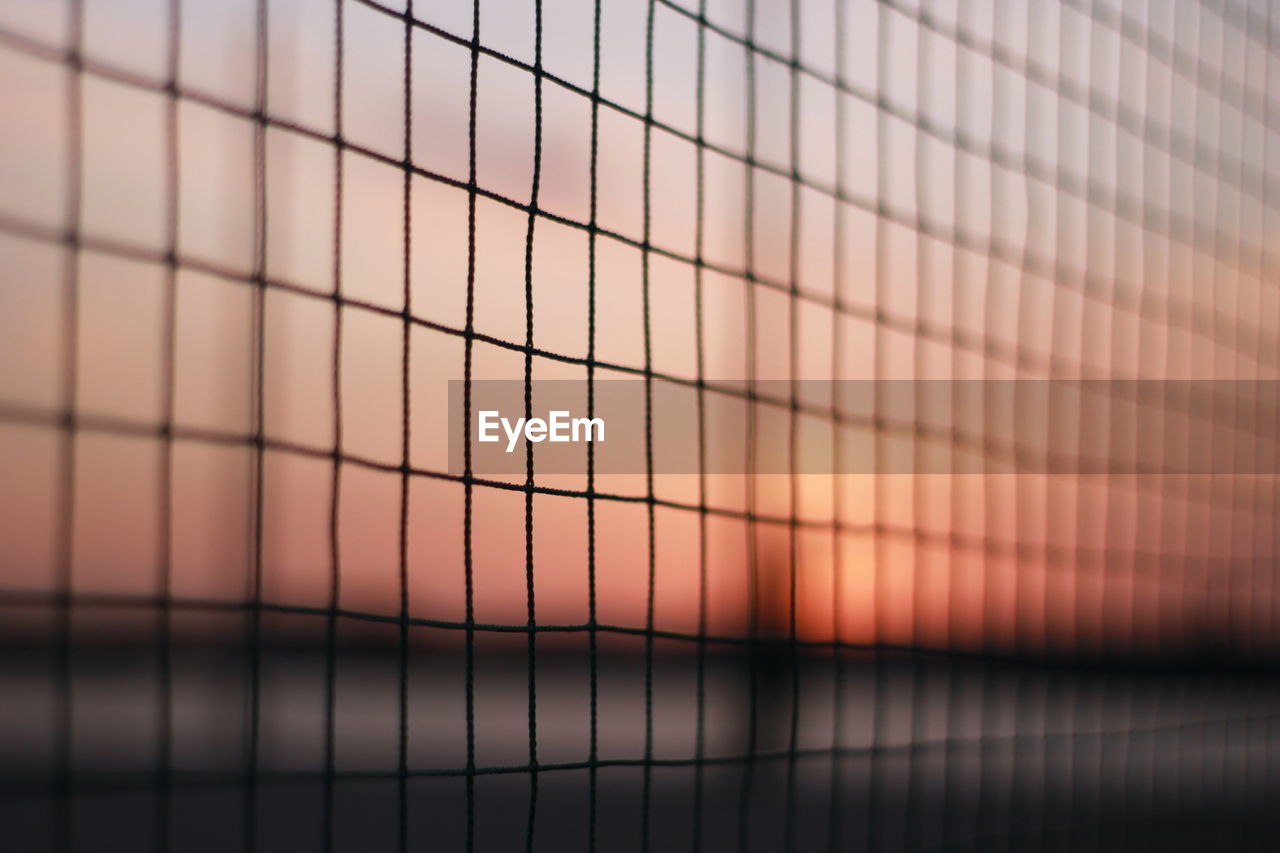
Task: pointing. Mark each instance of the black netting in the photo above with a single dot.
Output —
(248, 604)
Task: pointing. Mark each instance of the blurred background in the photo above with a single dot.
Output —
(246, 245)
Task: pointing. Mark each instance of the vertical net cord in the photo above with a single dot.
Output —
(1097, 569)
(468, 520)
(164, 657)
(1079, 798)
(1169, 567)
(1202, 561)
(1103, 591)
(64, 556)
(1082, 757)
(699, 240)
(1244, 645)
(1158, 525)
(1232, 642)
(1179, 493)
(646, 795)
(406, 424)
(1272, 542)
(592, 633)
(1028, 637)
(1179, 567)
(528, 413)
(1267, 536)
(753, 568)
(988, 768)
(911, 830)
(793, 482)
(1236, 643)
(1264, 505)
(1117, 565)
(1222, 627)
(1199, 560)
(880, 570)
(1056, 640)
(840, 287)
(951, 695)
(1140, 372)
(259, 279)
(335, 481)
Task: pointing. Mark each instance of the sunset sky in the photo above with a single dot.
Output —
(1012, 195)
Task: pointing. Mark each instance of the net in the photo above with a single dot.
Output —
(248, 603)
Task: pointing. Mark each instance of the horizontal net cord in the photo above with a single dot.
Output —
(1196, 492)
(211, 778)
(96, 601)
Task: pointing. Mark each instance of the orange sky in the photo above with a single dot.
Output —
(926, 576)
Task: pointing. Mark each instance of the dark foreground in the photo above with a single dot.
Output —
(280, 751)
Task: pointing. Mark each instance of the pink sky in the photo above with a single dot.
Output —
(936, 582)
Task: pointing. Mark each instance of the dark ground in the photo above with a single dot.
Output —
(965, 755)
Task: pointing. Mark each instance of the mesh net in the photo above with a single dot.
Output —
(247, 245)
